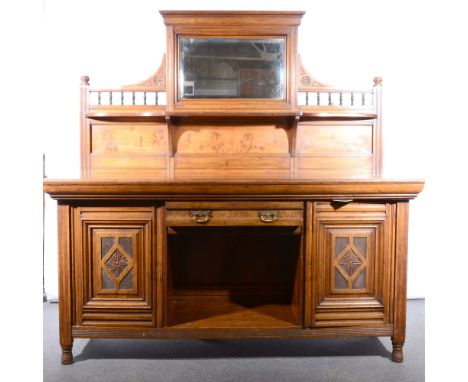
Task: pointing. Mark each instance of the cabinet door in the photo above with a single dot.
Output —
(114, 264)
(350, 264)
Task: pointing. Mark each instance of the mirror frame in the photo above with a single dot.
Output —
(237, 24)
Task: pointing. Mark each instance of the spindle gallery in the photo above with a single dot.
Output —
(232, 195)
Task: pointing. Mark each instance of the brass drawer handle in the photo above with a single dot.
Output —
(268, 216)
(201, 216)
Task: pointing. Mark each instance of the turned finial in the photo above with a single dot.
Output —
(378, 81)
(84, 80)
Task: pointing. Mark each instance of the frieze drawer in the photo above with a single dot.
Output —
(234, 214)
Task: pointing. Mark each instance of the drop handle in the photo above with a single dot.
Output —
(201, 216)
(268, 216)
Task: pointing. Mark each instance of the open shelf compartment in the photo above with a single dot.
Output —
(234, 277)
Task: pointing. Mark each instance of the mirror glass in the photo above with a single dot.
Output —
(231, 68)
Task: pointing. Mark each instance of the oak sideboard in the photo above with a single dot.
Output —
(232, 195)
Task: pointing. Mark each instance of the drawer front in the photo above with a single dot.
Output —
(234, 214)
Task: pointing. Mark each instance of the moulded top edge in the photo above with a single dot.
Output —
(229, 13)
(208, 189)
(233, 18)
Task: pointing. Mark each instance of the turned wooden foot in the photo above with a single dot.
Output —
(67, 355)
(397, 353)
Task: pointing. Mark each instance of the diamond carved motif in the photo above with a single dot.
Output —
(350, 262)
(117, 263)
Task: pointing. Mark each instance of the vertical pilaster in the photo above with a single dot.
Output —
(378, 146)
(84, 144)
(401, 258)
(309, 298)
(65, 283)
(161, 266)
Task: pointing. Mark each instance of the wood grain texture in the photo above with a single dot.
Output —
(232, 218)
(309, 288)
(325, 152)
(232, 25)
(236, 218)
(334, 138)
(66, 300)
(232, 140)
(84, 127)
(128, 139)
(96, 305)
(160, 282)
(229, 315)
(348, 304)
(336, 149)
(217, 18)
(231, 333)
(378, 141)
(80, 189)
(401, 259)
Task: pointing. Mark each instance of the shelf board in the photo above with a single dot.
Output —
(143, 113)
(155, 113)
(139, 113)
(234, 113)
(196, 313)
(335, 113)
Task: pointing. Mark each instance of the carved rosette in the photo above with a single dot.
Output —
(116, 262)
(306, 81)
(350, 263)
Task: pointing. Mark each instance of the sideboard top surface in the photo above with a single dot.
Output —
(287, 189)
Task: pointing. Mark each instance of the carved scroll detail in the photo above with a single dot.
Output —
(306, 81)
(155, 83)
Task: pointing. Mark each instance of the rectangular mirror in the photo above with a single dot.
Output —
(231, 68)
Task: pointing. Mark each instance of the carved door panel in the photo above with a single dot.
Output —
(351, 265)
(114, 265)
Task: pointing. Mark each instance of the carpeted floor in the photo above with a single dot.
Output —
(324, 360)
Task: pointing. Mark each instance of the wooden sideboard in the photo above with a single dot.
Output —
(249, 205)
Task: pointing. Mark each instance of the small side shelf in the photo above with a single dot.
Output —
(159, 114)
(286, 119)
(336, 114)
(229, 113)
(128, 114)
